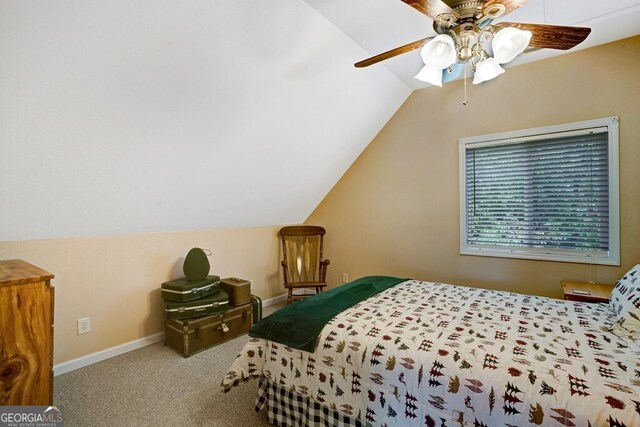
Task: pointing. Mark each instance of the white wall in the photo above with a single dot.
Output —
(122, 116)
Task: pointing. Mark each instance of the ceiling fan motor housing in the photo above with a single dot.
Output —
(467, 11)
(464, 27)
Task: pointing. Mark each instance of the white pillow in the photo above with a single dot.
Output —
(625, 303)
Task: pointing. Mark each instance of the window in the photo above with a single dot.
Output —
(548, 193)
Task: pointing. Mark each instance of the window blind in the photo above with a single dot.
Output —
(551, 193)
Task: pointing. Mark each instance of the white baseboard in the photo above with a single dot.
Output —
(274, 300)
(99, 356)
(81, 362)
(283, 297)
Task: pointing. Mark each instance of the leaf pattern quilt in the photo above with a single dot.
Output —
(433, 354)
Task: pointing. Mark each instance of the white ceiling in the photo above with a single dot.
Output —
(381, 25)
(120, 116)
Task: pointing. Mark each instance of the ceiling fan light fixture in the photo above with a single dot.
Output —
(440, 52)
(508, 43)
(430, 75)
(487, 69)
(465, 27)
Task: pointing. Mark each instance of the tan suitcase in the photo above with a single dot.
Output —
(239, 290)
(190, 336)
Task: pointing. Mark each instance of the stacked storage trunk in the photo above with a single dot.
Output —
(197, 312)
(198, 315)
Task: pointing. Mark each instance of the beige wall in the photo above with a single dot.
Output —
(396, 210)
(116, 280)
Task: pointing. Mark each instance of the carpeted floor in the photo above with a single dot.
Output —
(154, 386)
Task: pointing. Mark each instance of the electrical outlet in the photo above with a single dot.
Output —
(345, 277)
(84, 326)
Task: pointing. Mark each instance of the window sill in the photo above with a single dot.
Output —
(543, 256)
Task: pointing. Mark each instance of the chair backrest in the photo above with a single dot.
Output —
(302, 252)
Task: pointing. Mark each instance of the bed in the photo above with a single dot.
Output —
(421, 353)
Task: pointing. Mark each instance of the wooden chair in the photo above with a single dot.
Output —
(303, 266)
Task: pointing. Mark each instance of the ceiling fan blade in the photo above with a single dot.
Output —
(551, 36)
(432, 8)
(391, 53)
(510, 5)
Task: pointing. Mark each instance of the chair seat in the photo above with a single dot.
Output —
(305, 285)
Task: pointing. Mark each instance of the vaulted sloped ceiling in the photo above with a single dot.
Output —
(124, 116)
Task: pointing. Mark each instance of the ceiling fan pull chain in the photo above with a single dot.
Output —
(466, 101)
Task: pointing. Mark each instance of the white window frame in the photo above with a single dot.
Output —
(612, 257)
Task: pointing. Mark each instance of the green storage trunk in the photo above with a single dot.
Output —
(189, 290)
(211, 304)
(191, 336)
(257, 308)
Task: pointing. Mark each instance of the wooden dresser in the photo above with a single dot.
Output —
(26, 334)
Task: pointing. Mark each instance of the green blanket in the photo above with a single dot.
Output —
(299, 325)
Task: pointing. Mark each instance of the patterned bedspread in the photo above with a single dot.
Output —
(440, 355)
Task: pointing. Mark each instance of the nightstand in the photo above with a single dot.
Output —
(585, 291)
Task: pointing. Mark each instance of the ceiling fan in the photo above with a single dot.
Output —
(464, 26)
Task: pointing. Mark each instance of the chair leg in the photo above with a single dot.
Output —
(289, 296)
(318, 290)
